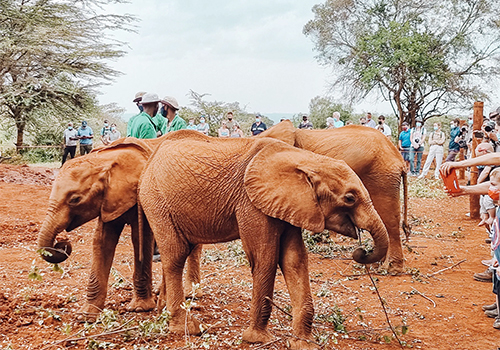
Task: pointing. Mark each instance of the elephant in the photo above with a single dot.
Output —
(263, 191)
(103, 184)
(376, 161)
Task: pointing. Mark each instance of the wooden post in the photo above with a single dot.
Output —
(461, 171)
(478, 122)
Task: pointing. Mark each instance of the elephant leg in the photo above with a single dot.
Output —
(143, 299)
(174, 252)
(388, 207)
(193, 273)
(104, 244)
(293, 264)
(262, 253)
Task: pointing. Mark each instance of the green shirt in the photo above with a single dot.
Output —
(130, 123)
(161, 123)
(143, 127)
(177, 124)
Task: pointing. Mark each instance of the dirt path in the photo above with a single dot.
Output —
(34, 314)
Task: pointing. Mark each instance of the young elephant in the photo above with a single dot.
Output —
(104, 184)
(262, 191)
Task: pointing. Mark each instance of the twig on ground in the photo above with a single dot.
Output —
(279, 308)
(267, 344)
(90, 336)
(425, 297)
(448, 268)
(383, 308)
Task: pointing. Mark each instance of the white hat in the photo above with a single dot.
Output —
(138, 96)
(170, 101)
(150, 98)
(330, 120)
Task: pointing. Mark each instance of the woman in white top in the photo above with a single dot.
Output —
(417, 138)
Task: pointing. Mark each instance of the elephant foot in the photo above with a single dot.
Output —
(141, 305)
(179, 325)
(88, 313)
(393, 267)
(299, 344)
(252, 335)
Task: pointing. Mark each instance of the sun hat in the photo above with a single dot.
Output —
(138, 96)
(170, 101)
(150, 98)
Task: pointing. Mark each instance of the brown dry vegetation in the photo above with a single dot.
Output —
(440, 312)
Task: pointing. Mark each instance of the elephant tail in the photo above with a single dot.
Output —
(140, 223)
(406, 225)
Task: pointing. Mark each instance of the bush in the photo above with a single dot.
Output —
(41, 155)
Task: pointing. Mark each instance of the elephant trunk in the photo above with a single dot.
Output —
(50, 252)
(369, 220)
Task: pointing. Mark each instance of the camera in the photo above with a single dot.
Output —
(478, 134)
(463, 131)
(417, 140)
(379, 122)
(488, 128)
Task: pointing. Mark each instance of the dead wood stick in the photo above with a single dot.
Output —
(279, 308)
(448, 268)
(267, 344)
(94, 336)
(425, 297)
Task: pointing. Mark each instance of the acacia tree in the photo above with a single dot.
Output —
(428, 58)
(52, 56)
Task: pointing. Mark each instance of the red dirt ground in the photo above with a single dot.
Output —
(38, 314)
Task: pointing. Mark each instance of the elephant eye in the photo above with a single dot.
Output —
(75, 199)
(350, 198)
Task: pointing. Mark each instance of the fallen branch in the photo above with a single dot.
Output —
(424, 296)
(279, 308)
(448, 268)
(267, 344)
(91, 336)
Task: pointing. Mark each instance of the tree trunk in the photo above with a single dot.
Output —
(20, 134)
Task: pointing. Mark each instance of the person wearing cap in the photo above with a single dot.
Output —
(85, 135)
(137, 100)
(230, 123)
(105, 131)
(330, 123)
(404, 143)
(70, 141)
(436, 141)
(170, 107)
(143, 126)
(258, 126)
(305, 123)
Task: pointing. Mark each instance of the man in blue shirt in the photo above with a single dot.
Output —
(404, 143)
(85, 135)
(453, 147)
(258, 126)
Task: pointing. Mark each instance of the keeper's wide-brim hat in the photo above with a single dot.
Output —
(138, 96)
(150, 98)
(170, 101)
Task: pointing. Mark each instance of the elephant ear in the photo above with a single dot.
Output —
(279, 182)
(122, 173)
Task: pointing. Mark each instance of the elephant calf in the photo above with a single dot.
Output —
(262, 191)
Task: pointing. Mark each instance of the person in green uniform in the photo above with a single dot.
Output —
(137, 100)
(170, 108)
(143, 126)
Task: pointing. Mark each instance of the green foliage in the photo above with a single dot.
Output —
(335, 317)
(53, 56)
(427, 58)
(321, 108)
(35, 273)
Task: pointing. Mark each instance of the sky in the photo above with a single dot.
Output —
(252, 52)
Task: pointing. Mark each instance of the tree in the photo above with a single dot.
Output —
(52, 56)
(428, 58)
(216, 111)
(321, 108)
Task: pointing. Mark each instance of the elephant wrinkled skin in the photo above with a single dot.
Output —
(376, 161)
(262, 191)
(104, 184)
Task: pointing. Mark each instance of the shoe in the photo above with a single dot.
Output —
(489, 307)
(496, 324)
(485, 276)
(421, 176)
(488, 262)
(491, 313)
(156, 258)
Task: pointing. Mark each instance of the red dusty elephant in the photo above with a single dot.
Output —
(376, 161)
